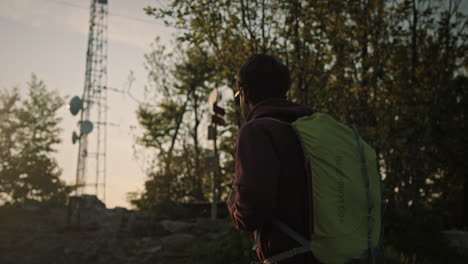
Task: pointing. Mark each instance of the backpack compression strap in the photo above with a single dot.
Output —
(370, 201)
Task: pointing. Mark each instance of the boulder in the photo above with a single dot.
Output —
(457, 239)
(207, 225)
(177, 240)
(153, 249)
(176, 226)
(145, 224)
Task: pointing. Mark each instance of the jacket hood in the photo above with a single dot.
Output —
(279, 108)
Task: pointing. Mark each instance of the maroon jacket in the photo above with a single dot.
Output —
(271, 178)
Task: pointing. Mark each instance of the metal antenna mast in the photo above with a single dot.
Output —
(93, 106)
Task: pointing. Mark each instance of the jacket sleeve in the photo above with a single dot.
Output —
(255, 183)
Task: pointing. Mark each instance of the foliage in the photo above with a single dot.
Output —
(417, 239)
(171, 119)
(29, 131)
(231, 247)
(395, 69)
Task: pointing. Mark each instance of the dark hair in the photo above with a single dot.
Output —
(263, 76)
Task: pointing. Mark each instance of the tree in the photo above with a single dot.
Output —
(396, 69)
(29, 129)
(171, 120)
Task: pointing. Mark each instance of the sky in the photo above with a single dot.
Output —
(49, 38)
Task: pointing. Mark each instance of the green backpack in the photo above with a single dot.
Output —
(346, 194)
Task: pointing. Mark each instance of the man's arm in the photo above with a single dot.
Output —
(255, 185)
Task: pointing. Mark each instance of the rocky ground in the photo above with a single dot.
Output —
(95, 234)
(99, 235)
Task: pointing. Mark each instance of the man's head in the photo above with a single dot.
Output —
(262, 77)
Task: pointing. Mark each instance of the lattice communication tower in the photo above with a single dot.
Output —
(91, 165)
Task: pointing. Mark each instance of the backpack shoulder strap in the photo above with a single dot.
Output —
(275, 119)
(305, 244)
(293, 234)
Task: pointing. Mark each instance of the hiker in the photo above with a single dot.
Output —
(271, 178)
(307, 186)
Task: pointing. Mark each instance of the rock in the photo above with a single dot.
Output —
(214, 236)
(144, 224)
(91, 201)
(31, 208)
(457, 239)
(86, 212)
(120, 210)
(176, 226)
(153, 250)
(206, 224)
(67, 251)
(177, 240)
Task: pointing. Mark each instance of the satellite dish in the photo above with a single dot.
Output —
(213, 97)
(86, 127)
(75, 105)
(75, 137)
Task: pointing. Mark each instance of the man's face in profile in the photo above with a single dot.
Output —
(244, 105)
